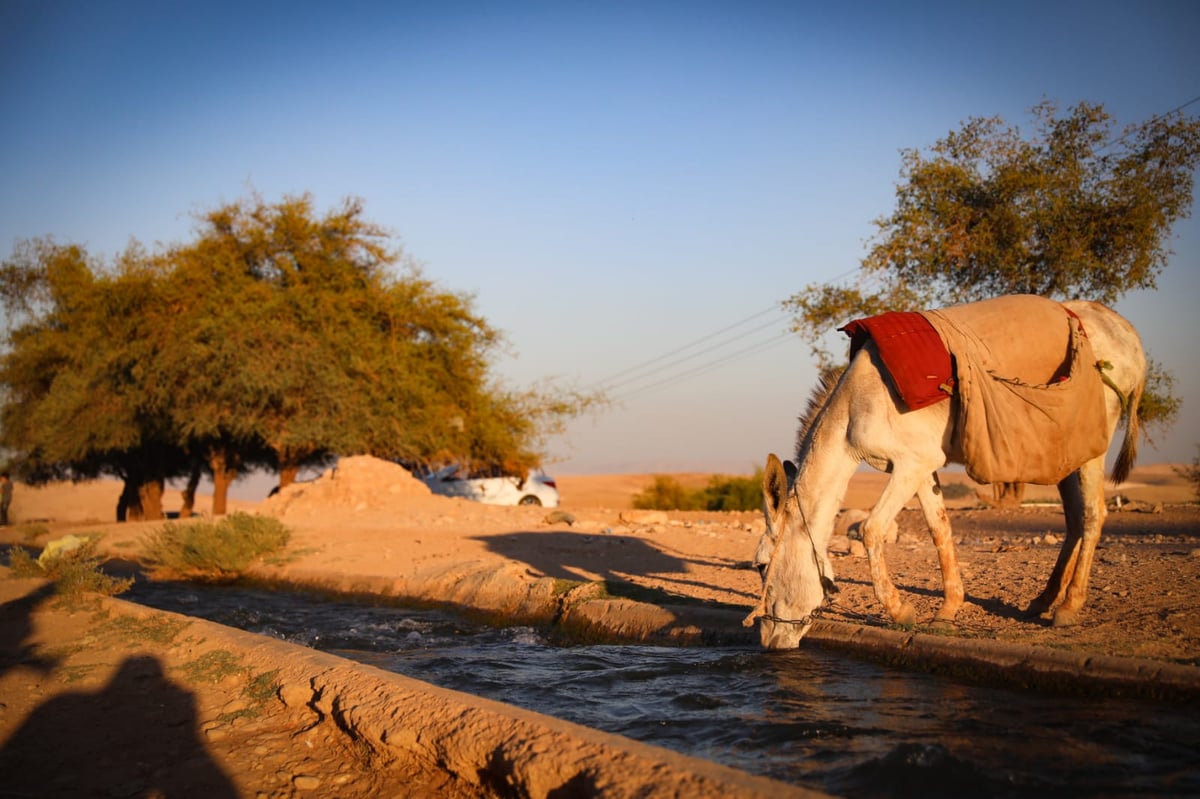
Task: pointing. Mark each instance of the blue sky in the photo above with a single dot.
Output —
(611, 181)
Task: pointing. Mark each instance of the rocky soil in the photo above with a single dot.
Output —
(113, 700)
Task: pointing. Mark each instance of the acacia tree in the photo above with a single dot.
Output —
(74, 405)
(275, 338)
(1072, 212)
(307, 339)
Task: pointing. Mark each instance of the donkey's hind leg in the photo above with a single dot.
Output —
(1091, 485)
(1082, 495)
(933, 505)
(1071, 492)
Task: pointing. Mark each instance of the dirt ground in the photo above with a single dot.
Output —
(112, 700)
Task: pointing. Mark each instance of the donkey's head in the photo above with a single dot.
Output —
(792, 580)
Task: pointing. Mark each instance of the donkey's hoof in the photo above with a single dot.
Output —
(1065, 618)
(945, 617)
(906, 616)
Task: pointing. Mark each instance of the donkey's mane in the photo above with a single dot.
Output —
(817, 400)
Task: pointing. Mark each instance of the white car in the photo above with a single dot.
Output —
(455, 481)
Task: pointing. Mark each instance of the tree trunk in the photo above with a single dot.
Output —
(140, 500)
(189, 494)
(151, 494)
(287, 476)
(129, 504)
(224, 472)
(1008, 495)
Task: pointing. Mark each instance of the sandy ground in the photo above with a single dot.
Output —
(187, 708)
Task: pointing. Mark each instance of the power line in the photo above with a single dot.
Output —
(637, 367)
(719, 345)
(1114, 142)
(757, 347)
(638, 372)
(1177, 109)
(641, 371)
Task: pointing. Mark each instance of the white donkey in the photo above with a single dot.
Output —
(855, 419)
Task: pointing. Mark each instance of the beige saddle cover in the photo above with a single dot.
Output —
(1031, 397)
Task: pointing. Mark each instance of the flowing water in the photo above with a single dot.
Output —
(809, 717)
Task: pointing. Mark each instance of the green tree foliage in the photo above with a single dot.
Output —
(74, 401)
(277, 337)
(1072, 212)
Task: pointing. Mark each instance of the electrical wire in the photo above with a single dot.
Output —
(670, 380)
(642, 370)
(608, 381)
(707, 350)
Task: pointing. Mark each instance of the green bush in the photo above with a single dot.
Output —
(667, 493)
(733, 493)
(73, 571)
(957, 491)
(721, 493)
(213, 549)
(1191, 473)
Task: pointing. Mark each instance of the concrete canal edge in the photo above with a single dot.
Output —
(483, 745)
(1015, 665)
(588, 611)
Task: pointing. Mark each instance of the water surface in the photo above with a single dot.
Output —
(809, 717)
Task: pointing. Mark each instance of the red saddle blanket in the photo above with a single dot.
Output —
(913, 352)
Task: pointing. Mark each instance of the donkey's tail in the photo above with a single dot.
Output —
(1129, 446)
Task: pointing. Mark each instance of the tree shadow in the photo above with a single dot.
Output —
(613, 558)
(136, 736)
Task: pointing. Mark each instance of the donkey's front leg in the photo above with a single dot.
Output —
(874, 529)
(933, 505)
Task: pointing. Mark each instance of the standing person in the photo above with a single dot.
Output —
(6, 489)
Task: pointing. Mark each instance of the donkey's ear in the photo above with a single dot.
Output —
(775, 484)
(791, 470)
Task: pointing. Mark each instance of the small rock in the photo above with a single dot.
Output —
(295, 694)
(1050, 539)
(306, 782)
(559, 516)
(646, 517)
(857, 549)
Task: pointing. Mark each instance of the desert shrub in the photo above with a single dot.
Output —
(73, 571)
(1191, 473)
(733, 493)
(721, 493)
(666, 493)
(957, 490)
(213, 549)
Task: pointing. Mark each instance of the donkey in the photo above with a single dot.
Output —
(857, 418)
